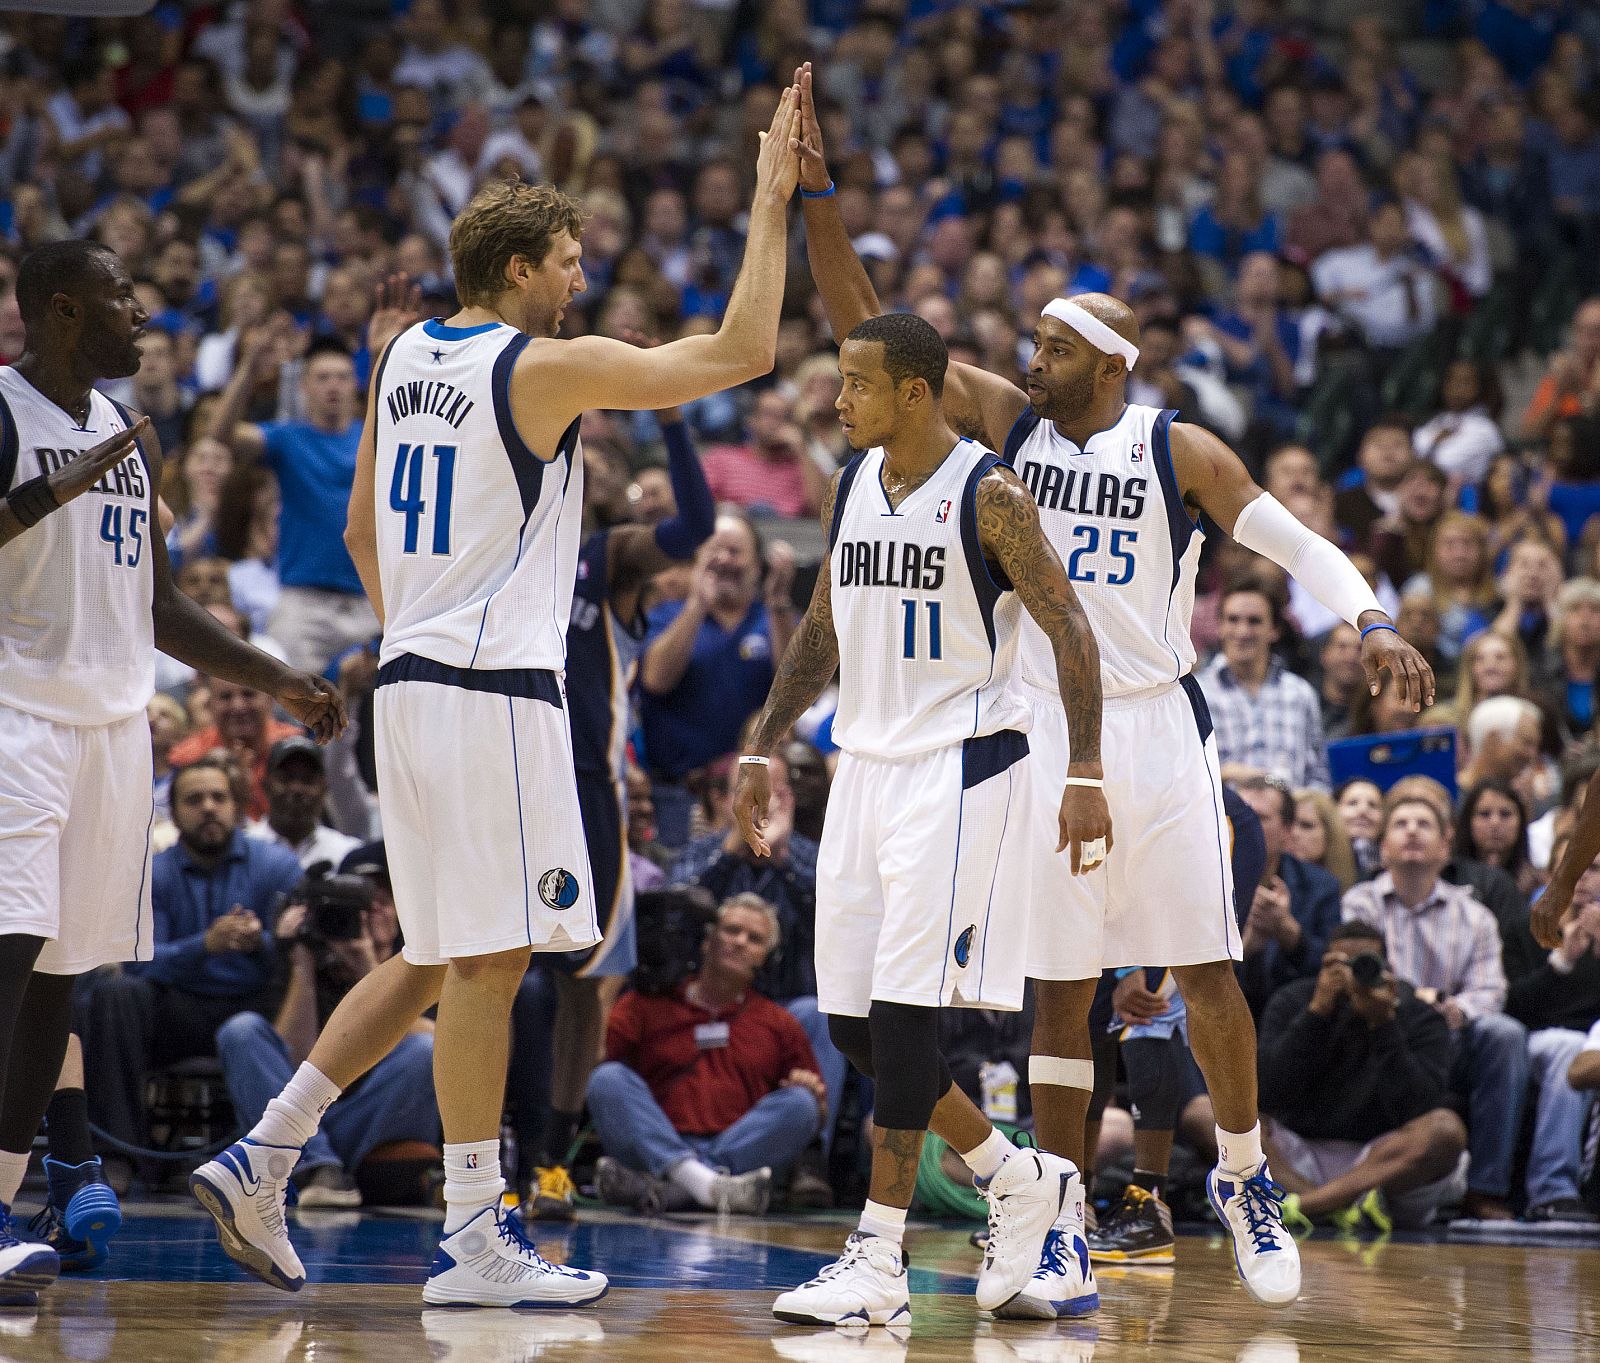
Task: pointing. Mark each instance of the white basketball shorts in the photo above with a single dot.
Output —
(75, 816)
(907, 909)
(480, 811)
(1164, 895)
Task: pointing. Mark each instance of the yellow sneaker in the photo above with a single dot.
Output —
(550, 1198)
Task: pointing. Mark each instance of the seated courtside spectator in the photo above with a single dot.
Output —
(714, 1076)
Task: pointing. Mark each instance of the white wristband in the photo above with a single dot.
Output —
(749, 760)
(1092, 782)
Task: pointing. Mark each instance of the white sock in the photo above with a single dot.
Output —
(878, 1218)
(695, 1178)
(471, 1181)
(292, 1118)
(1239, 1152)
(13, 1169)
(986, 1160)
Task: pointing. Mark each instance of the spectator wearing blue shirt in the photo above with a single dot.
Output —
(322, 608)
(213, 894)
(1235, 224)
(709, 660)
(1260, 344)
(1294, 908)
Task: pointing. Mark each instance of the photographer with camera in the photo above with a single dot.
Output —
(1354, 1075)
(1446, 945)
(330, 935)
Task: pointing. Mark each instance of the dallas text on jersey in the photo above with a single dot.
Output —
(1085, 492)
(873, 563)
(125, 480)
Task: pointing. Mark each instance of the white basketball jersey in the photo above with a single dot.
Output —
(1114, 513)
(477, 536)
(927, 636)
(77, 638)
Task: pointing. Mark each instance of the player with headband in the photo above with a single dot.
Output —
(1120, 488)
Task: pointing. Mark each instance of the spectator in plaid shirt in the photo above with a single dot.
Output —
(1266, 717)
(1447, 946)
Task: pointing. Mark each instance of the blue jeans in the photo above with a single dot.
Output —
(1491, 1069)
(635, 1130)
(393, 1101)
(1555, 1161)
(831, 1064)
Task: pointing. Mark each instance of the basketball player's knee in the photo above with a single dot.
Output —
(912, 1075)
(1210, 987)
(1061, 1017)
(852, 1037)
(501, 971)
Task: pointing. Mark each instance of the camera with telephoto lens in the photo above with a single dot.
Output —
(1367, 968)
(334, 904)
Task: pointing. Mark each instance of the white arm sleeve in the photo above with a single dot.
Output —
(1267, 526)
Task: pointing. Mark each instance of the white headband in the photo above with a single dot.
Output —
(1092, 329)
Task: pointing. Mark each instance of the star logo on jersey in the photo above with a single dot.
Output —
(943, 513)
(558, 888)
(963, 952)
(1138, 451)
(438, 355)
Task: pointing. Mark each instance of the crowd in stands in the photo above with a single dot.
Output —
(1365, 252)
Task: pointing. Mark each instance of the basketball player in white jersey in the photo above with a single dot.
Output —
(1119, 490)
(934, 550)
(464, 526)
(86, 598)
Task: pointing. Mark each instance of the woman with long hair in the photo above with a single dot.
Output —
(1504, 503)
(1359, 803)
(1460, 573)
(1492, 827)
(1318, 837)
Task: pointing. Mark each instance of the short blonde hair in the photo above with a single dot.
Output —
(506, 219)
(754, 903)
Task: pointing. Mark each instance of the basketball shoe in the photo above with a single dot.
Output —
(1263, 1250)
(81, 1216)
(550, 1195)
(1138, 1231)
(490, 1262)
(25, 1268)
(1063, 1285)
(245, 1190)
(1026, 1198)
(866, 1285)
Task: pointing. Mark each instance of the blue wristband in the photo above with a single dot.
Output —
(1381, 624)
(817, 193)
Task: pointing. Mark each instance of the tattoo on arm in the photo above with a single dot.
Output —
(1010, 533)
(896, 1156)
(809, 662)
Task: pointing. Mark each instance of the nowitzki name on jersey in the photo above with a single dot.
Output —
(428, 397)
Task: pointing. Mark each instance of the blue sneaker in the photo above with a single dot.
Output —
(245, 1189)
(81, 1216)
(1264, 1251)
(25, 1268)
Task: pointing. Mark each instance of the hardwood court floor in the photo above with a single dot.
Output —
(700, 1292)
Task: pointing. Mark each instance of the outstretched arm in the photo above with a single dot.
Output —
(1212, 477)
(1554, 906)
(976, 402)
(1010, 533)
(807, 666)
(191, 634)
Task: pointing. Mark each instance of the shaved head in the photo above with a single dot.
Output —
(1071, 376)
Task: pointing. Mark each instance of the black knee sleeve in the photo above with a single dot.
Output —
(36, 1065)
(1155, 1069)
(853, 1038)
(912, 1074)
(1103, 1046)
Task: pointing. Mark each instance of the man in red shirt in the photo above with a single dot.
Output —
(713, 1077)
(772, 474)
(242, 723)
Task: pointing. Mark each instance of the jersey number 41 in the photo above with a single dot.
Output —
(405, 493)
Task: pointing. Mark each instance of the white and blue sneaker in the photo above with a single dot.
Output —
(245, 1189)
(26, 1268)
(490, 1262)
(1264, 1251)
(866, 1285)
(1027, 1196)
(1063, 1286)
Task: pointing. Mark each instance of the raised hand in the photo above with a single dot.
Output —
(398, 303)
(777, 166)
(74, 479)
(807, 145)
